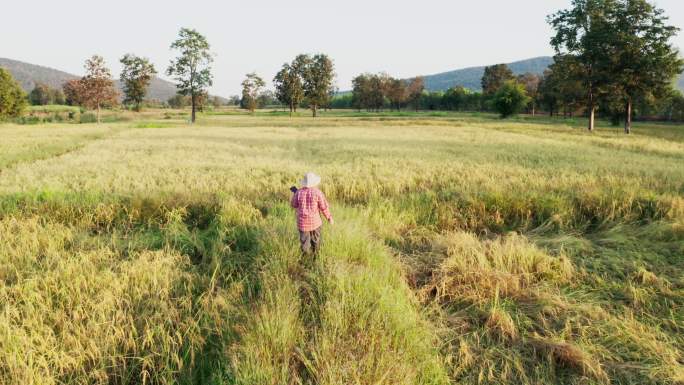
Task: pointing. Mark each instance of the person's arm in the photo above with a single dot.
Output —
(324, 207)
(294, 202)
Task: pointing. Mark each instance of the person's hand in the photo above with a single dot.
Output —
(332, 221)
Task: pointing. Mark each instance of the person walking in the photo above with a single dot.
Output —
(310, 202)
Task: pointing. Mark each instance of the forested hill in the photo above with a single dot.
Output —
(29, 74)
(471, 77)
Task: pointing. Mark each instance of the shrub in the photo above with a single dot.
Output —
(510, 99)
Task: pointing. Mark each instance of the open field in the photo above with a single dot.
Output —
(466, 250)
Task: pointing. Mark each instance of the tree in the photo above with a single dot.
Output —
(288, 86)
(40, 95)
(97, 88)
(510, 99)
(191, 69)
(455, 98)
(136, 76)
(251, 87)
(72, 92)
(12, 96)
(361, 91)
(415, 90)
(531, 83)
(584, 33)
(645, 63)
(397, 93)
(318, 75)
(57, 96)
(494, 77)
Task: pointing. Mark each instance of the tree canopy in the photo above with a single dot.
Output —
(12, 96)
(192, 68)
(96, 88)
(251, 87)
(136, 75)
(510, 99)
(494, 77)
(318, 76)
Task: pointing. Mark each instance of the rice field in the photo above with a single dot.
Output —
(465, 250)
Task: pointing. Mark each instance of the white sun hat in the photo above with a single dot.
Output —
(310, 180)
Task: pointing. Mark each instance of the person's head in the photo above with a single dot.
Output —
(310, 180)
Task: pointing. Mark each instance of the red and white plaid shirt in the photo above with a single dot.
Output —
(309, 202)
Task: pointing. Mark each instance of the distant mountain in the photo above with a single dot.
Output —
(471, 77)
(29, 74)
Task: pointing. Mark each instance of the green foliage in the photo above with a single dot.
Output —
(251, 88)
(288, 82)
(12, 97)
(136, 75)
(191, 69)
(494, 78)
(644, 63)
(43, 95)
(368, 91)
(510, 99)
(318, 74)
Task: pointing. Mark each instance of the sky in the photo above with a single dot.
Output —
(400, 37)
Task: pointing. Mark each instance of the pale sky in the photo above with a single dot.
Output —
(402, 38)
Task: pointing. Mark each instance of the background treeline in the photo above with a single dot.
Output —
(556, 93)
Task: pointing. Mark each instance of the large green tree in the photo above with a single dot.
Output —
(289, 88)
(318, 76)
(12, 96)
(192, 68)
(584, 32)
(494, 77)
(644, 62)
(251, 87)
(136, 75)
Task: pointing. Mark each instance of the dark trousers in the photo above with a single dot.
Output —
(310, 241)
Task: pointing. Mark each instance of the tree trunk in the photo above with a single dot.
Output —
(313, 106)
(98, 113)
(628, 118)
(592, 112)
(533, 109)
(194, 107)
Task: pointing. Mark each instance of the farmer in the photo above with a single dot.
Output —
(309, 202)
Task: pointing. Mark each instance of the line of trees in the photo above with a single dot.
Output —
(374, 92)
(42, 95)
(308, 79)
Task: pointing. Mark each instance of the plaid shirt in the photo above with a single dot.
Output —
(309, 202)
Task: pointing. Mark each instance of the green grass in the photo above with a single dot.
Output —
(54, 108)
(466, 250)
